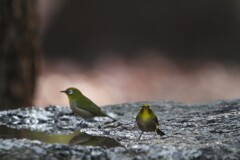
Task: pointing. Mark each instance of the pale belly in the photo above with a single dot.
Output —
(80, 112)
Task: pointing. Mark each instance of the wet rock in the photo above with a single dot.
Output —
(203, 131)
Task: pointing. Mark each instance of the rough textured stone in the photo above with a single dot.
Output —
(203, 131)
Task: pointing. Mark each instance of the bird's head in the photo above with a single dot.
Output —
(145, 106)
(72, 93)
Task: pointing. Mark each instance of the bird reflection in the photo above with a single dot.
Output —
(75, 138)
(89, 140)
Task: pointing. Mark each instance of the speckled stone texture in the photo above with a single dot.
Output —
(202, 131)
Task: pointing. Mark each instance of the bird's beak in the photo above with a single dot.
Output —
(63, 91)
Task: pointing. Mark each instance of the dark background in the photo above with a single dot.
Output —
(185, 30)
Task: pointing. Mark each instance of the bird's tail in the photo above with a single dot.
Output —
(111, 118)
(161, 133)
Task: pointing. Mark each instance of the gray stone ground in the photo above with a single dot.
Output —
(202, 131)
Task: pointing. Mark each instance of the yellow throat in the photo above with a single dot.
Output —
(145, 115)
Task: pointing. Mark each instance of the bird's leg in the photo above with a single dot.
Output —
(105, 123)
(90, 120)
(111, 125)
(111, 118)
(140, 135)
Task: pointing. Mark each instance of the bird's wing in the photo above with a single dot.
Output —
(156, 120)
(88, 105)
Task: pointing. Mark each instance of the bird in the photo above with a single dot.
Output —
(84, 139)
(147, 121)
(83, 106)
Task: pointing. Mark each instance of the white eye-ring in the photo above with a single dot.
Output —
(70, 92)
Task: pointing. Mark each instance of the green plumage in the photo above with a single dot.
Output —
(86, 104)
(147, 121)
(83, 106)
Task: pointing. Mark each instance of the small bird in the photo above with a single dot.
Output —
(147, 121)
(85, 139)
(82, 106)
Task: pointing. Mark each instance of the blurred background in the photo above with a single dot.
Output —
(126, 51)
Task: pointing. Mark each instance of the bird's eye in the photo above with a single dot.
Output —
(70, 92)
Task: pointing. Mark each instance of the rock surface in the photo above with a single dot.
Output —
(203, 131)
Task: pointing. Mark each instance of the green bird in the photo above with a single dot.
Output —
(147, 121)
(85, 139)
(82, 106)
